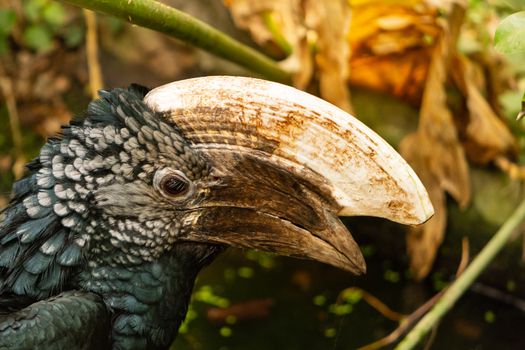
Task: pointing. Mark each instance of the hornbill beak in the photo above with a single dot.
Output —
(287, 163)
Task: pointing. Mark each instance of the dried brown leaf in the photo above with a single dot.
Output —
(250, 15)
(439, 135)
(316, 32)
(333, 51)
(289, 18)
(423, 241)
(486, 135)
(435, 151)
(437, 156)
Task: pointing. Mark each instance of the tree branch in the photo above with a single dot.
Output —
(168, 20)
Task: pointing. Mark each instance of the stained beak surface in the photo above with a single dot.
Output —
(289, 163)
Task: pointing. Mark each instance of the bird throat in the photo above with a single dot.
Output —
(149, 300)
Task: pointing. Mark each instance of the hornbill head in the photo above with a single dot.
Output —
(217, 160)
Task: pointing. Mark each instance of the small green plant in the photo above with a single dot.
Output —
(43, 19)
(39, 24)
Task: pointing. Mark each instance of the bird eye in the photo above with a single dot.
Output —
(172, 183)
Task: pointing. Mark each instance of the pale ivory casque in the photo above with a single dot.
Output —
(365, 175)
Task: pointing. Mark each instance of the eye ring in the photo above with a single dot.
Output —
(173, 184)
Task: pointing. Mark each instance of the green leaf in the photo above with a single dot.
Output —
(7, 22)
(54, 14)
(37, 37)
(32, 9)
(510, 34)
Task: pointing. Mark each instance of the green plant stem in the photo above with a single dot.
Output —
(464, 281)
(168, 20)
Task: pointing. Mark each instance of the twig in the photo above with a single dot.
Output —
(405, 324)
(498, 295)
(513, 170)
(465, 256)
(95, 73)
(374, 302)
(6, 87)
(168, 20)
(456, 289)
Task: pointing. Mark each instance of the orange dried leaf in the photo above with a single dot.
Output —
(400, 75)
(416, 24)
(407, 3)
(391, 45)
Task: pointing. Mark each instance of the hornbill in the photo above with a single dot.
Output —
(102, 240)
